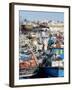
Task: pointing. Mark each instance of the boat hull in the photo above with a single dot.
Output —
(53, 71)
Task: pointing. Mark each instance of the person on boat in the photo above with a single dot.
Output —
(58, 44)
(50, 41)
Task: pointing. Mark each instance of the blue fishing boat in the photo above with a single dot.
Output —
(55, 68)
(53, 71)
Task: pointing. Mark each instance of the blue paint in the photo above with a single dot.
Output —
(62, 56)
(24, 57)
(54, 71)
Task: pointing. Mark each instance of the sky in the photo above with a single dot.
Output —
(41, 15)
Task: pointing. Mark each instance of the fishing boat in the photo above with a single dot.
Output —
(28, 64)
(54, 68)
